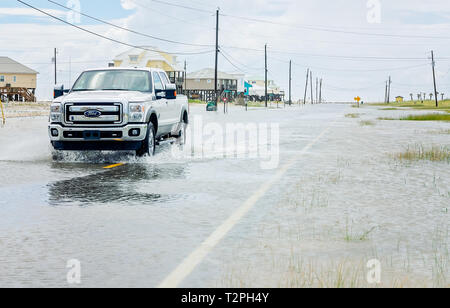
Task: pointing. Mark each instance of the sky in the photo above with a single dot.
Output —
(353, 45)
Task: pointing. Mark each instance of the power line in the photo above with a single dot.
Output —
(129, 30)
(234, 65)
(240, 63)
(184, 7)
(108, 38)
(300, 26)
(152, 9)
(325, 29)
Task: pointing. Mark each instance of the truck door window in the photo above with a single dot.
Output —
(164, 78)
(158, 83)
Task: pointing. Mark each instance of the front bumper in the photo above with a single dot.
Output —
(106, 138)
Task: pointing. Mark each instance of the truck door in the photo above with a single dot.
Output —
(173, 104)
(163, 107)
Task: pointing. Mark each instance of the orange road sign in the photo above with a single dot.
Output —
(358, 99)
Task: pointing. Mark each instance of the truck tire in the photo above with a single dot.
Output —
(149, 144)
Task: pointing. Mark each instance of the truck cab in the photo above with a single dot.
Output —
(118, 109)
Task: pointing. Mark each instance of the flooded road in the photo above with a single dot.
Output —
(341, 200)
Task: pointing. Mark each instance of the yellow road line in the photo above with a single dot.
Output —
(113, 166)
(198, 255)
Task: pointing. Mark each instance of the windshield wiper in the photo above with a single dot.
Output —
(114, 90)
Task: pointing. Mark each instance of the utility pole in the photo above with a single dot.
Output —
(185, 77)
(265, 52)
(290, 83)
(56, 80)
(306, 86)
(385, 93)
(434, 80)
(312, 88)
(217, 59)
(389, 91)
(317, 90)
(320, 92)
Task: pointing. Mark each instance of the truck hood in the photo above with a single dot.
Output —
(107, 96)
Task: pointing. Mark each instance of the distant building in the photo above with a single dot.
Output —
(399, 99)
(152, 57)
(17, 82)
(200, 85)
(258, 89)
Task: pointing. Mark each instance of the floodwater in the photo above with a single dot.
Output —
(343, 200)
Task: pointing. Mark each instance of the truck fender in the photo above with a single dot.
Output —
(153, 117)
(183, 111)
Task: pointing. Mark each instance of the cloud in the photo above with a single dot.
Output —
(127, 4)
(11, 11)
(342, 77)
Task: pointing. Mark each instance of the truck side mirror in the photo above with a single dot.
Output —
(59, 91)
(169, 93)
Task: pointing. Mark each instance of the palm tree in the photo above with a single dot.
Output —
(419, 97)
(442, 94)
(412, 96)
(431, 96)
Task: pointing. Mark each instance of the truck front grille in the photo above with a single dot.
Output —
(93, 113)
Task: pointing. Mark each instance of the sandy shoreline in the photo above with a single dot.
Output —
(23, 110)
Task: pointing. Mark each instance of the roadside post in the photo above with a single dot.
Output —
(358, 99)
(3, 113)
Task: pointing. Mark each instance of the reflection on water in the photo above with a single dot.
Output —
(118, 185)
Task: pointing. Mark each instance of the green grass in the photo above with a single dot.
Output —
(352, 115)
(426, 105)
(390, 109)
(196, 101)
(422, 117)
(419, 152)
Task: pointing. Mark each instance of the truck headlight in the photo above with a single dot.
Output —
(136, 112)
(56, 113)
(55, 108)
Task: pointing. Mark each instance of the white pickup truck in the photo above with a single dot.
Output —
(118, 109)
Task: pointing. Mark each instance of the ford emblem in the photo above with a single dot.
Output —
(92, 114)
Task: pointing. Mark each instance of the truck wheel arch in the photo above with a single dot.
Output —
(184, 116)
(154, 120)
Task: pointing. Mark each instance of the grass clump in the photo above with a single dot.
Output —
(367, 123)
(352, 115)
(196, 101)
(425, 105)
(419, 152)
(422, 117)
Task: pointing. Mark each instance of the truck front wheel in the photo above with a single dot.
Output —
(149, 144)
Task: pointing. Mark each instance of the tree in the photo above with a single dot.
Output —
(419, 97)
(442, 94)
(412, 96)
(431, 96)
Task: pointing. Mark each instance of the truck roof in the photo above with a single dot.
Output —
(148, 69)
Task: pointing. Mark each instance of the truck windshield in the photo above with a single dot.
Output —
(114, 80)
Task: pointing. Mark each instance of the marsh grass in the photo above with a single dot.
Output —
(421, 117)
(367, 123)
(440, 132)
(441, 257)
(419, 152)
(353, 115)
(351, 236)
(426, 105)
